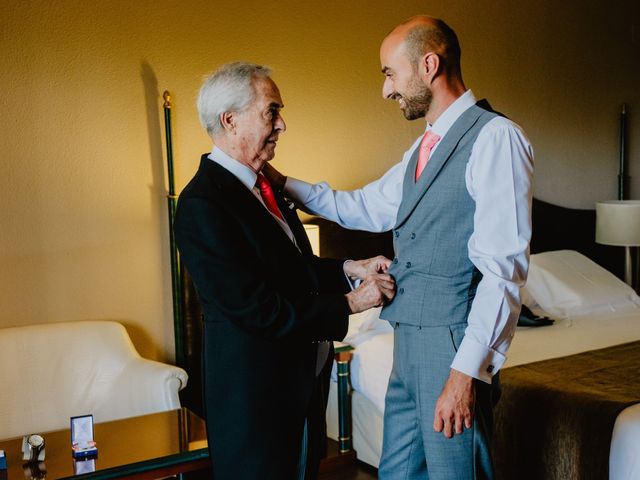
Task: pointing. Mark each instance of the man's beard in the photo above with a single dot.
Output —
(417, 101)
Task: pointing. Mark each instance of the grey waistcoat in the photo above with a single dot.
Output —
(436, 281)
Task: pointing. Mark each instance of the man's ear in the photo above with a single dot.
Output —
(228, 121)
(429, 67)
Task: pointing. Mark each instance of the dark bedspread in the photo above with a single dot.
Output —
(555, 417)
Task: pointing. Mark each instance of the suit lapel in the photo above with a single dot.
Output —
(414, 191)
(240, 199)
(291, 217)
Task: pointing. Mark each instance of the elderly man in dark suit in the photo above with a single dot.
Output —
(269, 304)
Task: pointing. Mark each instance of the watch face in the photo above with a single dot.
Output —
(35, 441)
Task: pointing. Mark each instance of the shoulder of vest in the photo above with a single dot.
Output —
(485, 105)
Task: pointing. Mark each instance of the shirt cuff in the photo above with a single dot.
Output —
(297, 189)
(477, 361)
(353, 282)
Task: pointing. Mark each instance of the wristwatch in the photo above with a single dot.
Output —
(36, 445)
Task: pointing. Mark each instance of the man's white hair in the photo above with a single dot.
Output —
(228, 89)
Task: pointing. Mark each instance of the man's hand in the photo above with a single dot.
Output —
(374, 291)
(454, 408)
(361, 269)
(276, 179)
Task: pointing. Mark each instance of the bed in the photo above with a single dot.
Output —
(572, 280)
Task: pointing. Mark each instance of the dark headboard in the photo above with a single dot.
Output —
(339, 242)
(554, 228)
(560, 228)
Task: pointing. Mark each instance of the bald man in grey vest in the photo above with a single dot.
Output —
(459, 206)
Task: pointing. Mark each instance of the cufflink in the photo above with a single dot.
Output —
(490, 368)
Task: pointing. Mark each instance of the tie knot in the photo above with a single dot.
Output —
(426, 145)
(263, 184)
(429, 140)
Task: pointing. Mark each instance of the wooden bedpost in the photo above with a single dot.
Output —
(343, 358)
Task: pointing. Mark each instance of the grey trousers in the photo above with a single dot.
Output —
(411, 449)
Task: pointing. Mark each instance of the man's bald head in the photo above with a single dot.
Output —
(422, 34)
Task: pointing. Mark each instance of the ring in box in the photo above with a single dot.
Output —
(82, 442)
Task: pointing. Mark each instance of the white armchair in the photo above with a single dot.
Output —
(51, 372)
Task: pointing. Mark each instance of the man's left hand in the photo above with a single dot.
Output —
(454, 408)
(361, 269)
(277, 179)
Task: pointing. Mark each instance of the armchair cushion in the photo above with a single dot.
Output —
(54, 371)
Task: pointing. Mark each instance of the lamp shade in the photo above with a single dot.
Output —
(618, 223)
(313, 232)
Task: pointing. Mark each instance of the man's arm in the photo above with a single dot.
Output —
(337, 276)
(365, 278)
(499, 178)
(372, 208)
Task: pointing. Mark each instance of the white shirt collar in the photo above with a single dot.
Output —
(243, 173)
(444, 122)
(248, 178)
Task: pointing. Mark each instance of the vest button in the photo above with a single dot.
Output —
(397, 233)
(408, 264)
(413, 236)
(401, 290)
(395, 260)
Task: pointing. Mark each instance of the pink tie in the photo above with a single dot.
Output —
(267, 196)
(428, 142)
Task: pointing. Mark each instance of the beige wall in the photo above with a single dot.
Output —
(83, 232)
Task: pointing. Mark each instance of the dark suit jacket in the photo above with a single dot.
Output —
(264, 305)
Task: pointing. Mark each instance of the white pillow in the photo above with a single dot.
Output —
(355, 322)
(566, 283)
(365, 325)
(527, 299)
(374, 322)
(525, 295)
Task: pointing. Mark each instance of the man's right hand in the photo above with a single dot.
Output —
(374, 291)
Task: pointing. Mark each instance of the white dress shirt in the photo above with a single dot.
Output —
(248, 178)
(499, 179)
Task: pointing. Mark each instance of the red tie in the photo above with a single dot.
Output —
(428, 142)
(267, 196)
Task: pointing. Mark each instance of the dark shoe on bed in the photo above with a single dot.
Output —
(529, 319)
